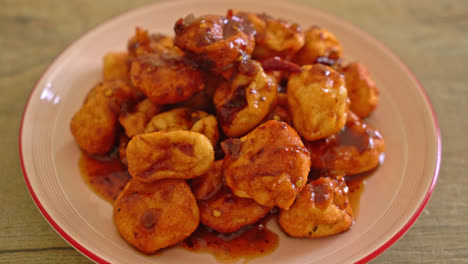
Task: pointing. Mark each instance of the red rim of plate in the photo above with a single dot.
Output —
(366, 259)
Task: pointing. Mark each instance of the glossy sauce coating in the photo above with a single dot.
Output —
(248, 72)
(173, 155)
(355, 149)
(356, 186)
(106, 176)
(321, 209)
(242, 103)
(318, 101)
(216, 43)
(243, 244)
(269, 165)
(165, 78)
(249, 242)
(151, 216)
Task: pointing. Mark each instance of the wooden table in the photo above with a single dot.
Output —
(431, 37)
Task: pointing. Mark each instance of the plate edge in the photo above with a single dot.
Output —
(366, 259)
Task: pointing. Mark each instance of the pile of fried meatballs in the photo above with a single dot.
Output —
(228, 120)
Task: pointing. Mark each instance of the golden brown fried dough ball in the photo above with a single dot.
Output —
(116, 65)
(321, 209)
(134, 122)
(207, 126)
(175, 154)
(318, 101)
(244, 102)
(176, 119)
(362, 91)
(319, 43)
(151, 216)
(118, 93)
(206, 185)
(165, 78)
(274, 37)
(269, 165)
(353, 150)
(185, 119)
(94, 125)
(225, 212)
(143, 43)
(215, 42)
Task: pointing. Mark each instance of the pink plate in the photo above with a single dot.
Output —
(392, 199)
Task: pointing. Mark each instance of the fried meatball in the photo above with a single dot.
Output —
(94, 125)
(116, 66)
(175, 154)
(135, 121)
(353, 150)
(185, 119)
(151, 216)
(215, 42)
(318, 101)
(269, 165)
(205, 186)
(320, 44)
(362, 91)
(245, 101)
(165, 78)
(274, 37)
(225, 212)
(143, 43)
(321, 209)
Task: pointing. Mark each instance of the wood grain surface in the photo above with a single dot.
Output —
(431, 37)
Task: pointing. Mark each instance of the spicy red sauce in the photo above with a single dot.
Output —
(249, 242)
(105, 175)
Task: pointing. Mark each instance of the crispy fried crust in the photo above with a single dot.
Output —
(165, 78)
(274, 37)
(116, 66)
(362, 91)
(94, 125)
(175, 154)
(269, 165)
(225, 212)
(321, 209)
(318, 101)
(185, 119)
(319, 43)
(151, 216)
(354, 150)
(216, 43)
(244, 102)
(135, 121)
